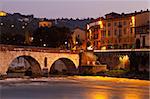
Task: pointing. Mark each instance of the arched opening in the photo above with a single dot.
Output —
(63, 66)
(24, 66)
(137, 43)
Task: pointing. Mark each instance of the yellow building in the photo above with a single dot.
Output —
(45, 23)
(115, 31)
(142, 29)
(2, 13)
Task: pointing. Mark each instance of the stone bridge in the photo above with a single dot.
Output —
(40, 58)
(133, 59)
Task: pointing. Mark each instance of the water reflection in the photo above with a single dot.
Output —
(132, 96)
(80, 88)
(111, 94)
(98, 95)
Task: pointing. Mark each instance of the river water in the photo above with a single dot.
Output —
(76, 87)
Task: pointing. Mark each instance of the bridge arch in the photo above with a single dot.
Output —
(24, 63)
(63, 66)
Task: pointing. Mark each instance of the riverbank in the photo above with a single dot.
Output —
(63, 78)
(74, 87)
(120, 73)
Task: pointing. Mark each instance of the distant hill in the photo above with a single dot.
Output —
(72, 23)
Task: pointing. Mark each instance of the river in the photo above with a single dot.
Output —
(75, 87)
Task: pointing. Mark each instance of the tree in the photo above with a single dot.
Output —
(16, 39)
(53, 37)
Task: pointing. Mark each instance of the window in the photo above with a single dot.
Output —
(109, 33)
(95, 36)
(120, 23)
(120, 32)
(115, 24)
(109, 41)
(124, 30)
(130, 30)
(109, 24)
(115, 32)
(95, 43)
(103, 33)
(124, 23)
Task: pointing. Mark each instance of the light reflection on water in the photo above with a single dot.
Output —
(80, 88)
(114, 95)
(96, 95)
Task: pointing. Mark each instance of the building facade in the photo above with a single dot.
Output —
(115, 31)
(142, 29)
(78, 39)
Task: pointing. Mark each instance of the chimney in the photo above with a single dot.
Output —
(147, 10)
(135, 12)
(122, 13)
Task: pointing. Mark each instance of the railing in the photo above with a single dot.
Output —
(121, 50)
(34, 49)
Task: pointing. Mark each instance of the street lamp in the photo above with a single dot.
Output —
(2, 24)
(12, 25)
(23, 27)
(65, 43)
(44, 45)
(76, 42)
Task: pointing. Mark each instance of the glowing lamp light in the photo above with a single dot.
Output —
(44, 44)
(65, 42)
(88, 27)
(12, 25)
(76, 42)
(23, 27)
(2, 23)
(103, 48)
(90, 33)
(101, 24)
(90, 48)
(124, 58)
(133, 20)
(31, 39)
(2, 13)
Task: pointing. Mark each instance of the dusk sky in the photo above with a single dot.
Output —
(72, 8)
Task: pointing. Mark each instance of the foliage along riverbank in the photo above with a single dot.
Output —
(120, 73)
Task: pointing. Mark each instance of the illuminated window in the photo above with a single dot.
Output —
(133, 21)
(2, 13)
(88, 27)
(101, 24)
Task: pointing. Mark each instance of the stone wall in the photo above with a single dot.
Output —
(133, 60)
